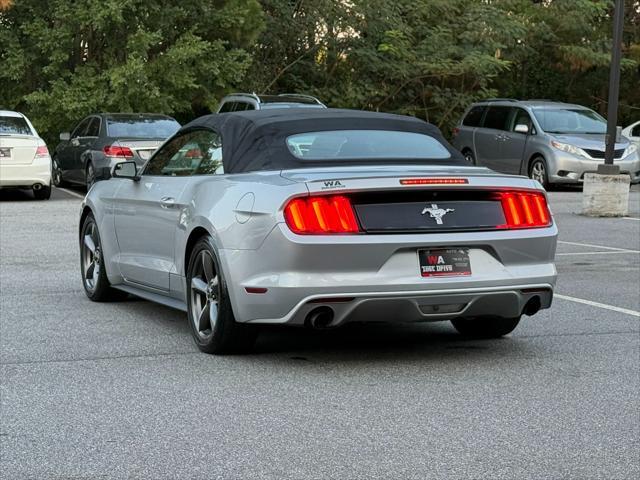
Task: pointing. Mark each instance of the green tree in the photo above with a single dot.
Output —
(62, 60)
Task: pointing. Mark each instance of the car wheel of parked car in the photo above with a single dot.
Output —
(211, 317)
(469, 157)
(90, 177)
(56, 174)
(43, 194)
(485, 327)
(538, 171)
(94, 276)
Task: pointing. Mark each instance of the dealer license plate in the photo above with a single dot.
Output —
(444, 262)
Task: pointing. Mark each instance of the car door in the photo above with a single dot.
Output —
(147, 212)
(514, 143)
(489, 138)
(86, 143)
(67, 152)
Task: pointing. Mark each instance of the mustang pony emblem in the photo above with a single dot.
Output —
(437, 213)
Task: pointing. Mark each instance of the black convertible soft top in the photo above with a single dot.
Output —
(256, 140)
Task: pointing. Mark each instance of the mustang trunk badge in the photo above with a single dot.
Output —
(437, 213)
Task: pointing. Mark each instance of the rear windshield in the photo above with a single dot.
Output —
(141, 127)
(365, 144)
(569, 120)
(14, 126)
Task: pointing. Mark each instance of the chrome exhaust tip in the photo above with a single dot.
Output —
(319, 318)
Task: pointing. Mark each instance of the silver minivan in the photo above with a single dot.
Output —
(548, 141)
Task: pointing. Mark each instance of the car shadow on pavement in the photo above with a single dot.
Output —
(378, 342)
(15, 195)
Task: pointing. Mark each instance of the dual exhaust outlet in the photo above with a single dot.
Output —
(321, 318)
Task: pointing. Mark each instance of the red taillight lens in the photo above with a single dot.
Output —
(525, 210)
(117, 151)
(42, 151)
(455, 131)
(321, 215)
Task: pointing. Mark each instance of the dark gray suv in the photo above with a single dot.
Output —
(548, 141)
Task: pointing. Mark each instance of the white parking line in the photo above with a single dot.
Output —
(631, 218)
(599, 246)
(597, 304)
(73, 194)
(594, 253)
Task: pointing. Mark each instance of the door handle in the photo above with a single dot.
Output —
(167, 202)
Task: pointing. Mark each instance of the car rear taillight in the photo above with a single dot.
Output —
(117, 151)
(455, 131)
(42, 151)
(318, 215)
(525, 210)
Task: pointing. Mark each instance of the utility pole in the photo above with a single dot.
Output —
(606, 193)
(614, 88)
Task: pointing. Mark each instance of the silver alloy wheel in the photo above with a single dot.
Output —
(91, 257)
(56, 173)
(90, 176)
(538, 171)
(205, 292)
(468, 156)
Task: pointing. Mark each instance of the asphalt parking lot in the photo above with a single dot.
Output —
(120, 391)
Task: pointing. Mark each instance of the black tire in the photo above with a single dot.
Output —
(56, 174)
(469, 156)
(485, 327)
(538, 171)
(211, 318)
(96, 285)
(43, 194)
(90, 176)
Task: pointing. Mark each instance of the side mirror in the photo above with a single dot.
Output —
(65, 137)
(125, 170)
(521, 128)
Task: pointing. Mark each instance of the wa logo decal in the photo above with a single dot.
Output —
(332, 184)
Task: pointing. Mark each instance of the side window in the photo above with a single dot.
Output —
(81, 128)
(474, 117)
(228, 107)
(520, 117)
(94, 128)
(497, 118)
(194, 153)
(250, 106)
(635, 132)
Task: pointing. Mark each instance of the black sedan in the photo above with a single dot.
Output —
(101, 140)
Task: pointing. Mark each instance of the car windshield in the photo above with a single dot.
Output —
(14, 126)
(141, 127)
(365, 144)
(568, 120)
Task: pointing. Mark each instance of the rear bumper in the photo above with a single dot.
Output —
(426, 305)
(39, 171)
(376, 277)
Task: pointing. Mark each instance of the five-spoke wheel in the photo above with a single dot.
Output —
(213, 324)
(205, 292)
(94, 276)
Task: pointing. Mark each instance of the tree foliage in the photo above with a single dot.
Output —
(430, 58)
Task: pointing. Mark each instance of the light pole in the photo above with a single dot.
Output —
(614, 88)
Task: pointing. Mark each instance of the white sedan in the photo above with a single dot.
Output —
(24, 158)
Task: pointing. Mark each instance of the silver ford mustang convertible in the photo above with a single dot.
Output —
(318, 218)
